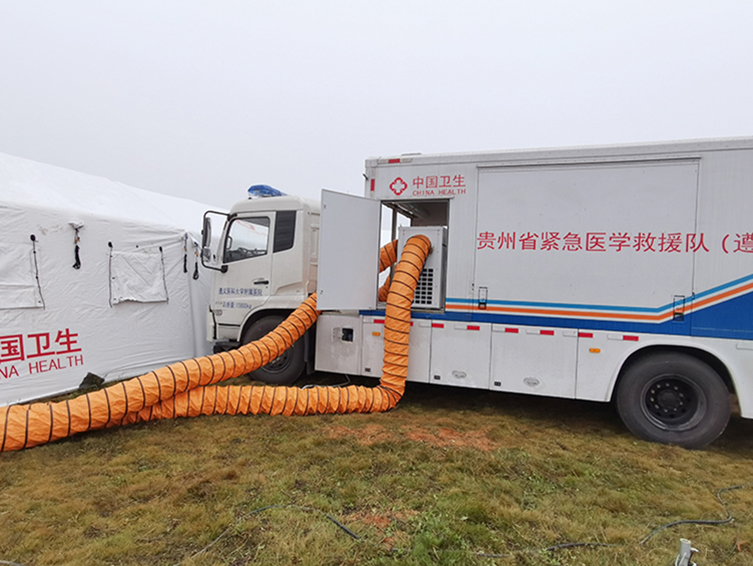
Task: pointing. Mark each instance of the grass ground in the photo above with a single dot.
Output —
(446, 478)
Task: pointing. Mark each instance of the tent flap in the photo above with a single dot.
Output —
(18, 277)
(138, 276)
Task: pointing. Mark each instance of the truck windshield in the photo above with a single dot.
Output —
(247, 237)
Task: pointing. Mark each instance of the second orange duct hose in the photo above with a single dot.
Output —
(186, 389)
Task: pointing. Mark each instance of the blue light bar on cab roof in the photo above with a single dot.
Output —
(260, 191)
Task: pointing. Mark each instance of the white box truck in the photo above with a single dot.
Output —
(619, 273)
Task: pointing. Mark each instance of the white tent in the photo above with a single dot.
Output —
(95, 276)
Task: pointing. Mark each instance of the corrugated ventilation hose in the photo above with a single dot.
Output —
(186, 389)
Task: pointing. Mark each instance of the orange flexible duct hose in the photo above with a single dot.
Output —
(181, 389)
(255, 399)
(387, 257)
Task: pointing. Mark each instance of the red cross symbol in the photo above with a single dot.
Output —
(398, 186)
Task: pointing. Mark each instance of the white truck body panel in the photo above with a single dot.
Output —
(579, 221)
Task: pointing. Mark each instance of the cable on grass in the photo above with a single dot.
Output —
(729, 518)
(345, 529)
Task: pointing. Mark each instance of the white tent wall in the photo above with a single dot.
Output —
(132, 245)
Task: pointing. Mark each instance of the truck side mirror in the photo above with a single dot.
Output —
(206, 240)
(206, 233)
(207, 259)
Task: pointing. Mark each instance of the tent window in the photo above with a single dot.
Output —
(19, 288)
(138, 276)
(247, 237)
(284, 230)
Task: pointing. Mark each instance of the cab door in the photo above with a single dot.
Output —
(243, 284)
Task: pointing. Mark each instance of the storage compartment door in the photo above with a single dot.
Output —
(535, 360)
(372, 358)
(348, 252)
(338, 343)
(460, 354)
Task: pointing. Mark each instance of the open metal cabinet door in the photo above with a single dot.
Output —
(348, 252)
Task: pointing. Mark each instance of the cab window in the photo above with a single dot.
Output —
(246, 238)
(284, 230)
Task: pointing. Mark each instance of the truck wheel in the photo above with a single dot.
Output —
(674, 399)
(283, 370)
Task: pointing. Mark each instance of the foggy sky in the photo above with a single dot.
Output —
(202, 99)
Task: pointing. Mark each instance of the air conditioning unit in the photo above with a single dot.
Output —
(430, 292)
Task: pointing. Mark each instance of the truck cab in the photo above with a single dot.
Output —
(265, 264)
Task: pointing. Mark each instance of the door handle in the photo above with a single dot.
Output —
(261, 282)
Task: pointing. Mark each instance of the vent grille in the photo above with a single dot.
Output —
(424, 295)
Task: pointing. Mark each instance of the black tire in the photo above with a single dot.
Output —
(673, 398)
(283, 370)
